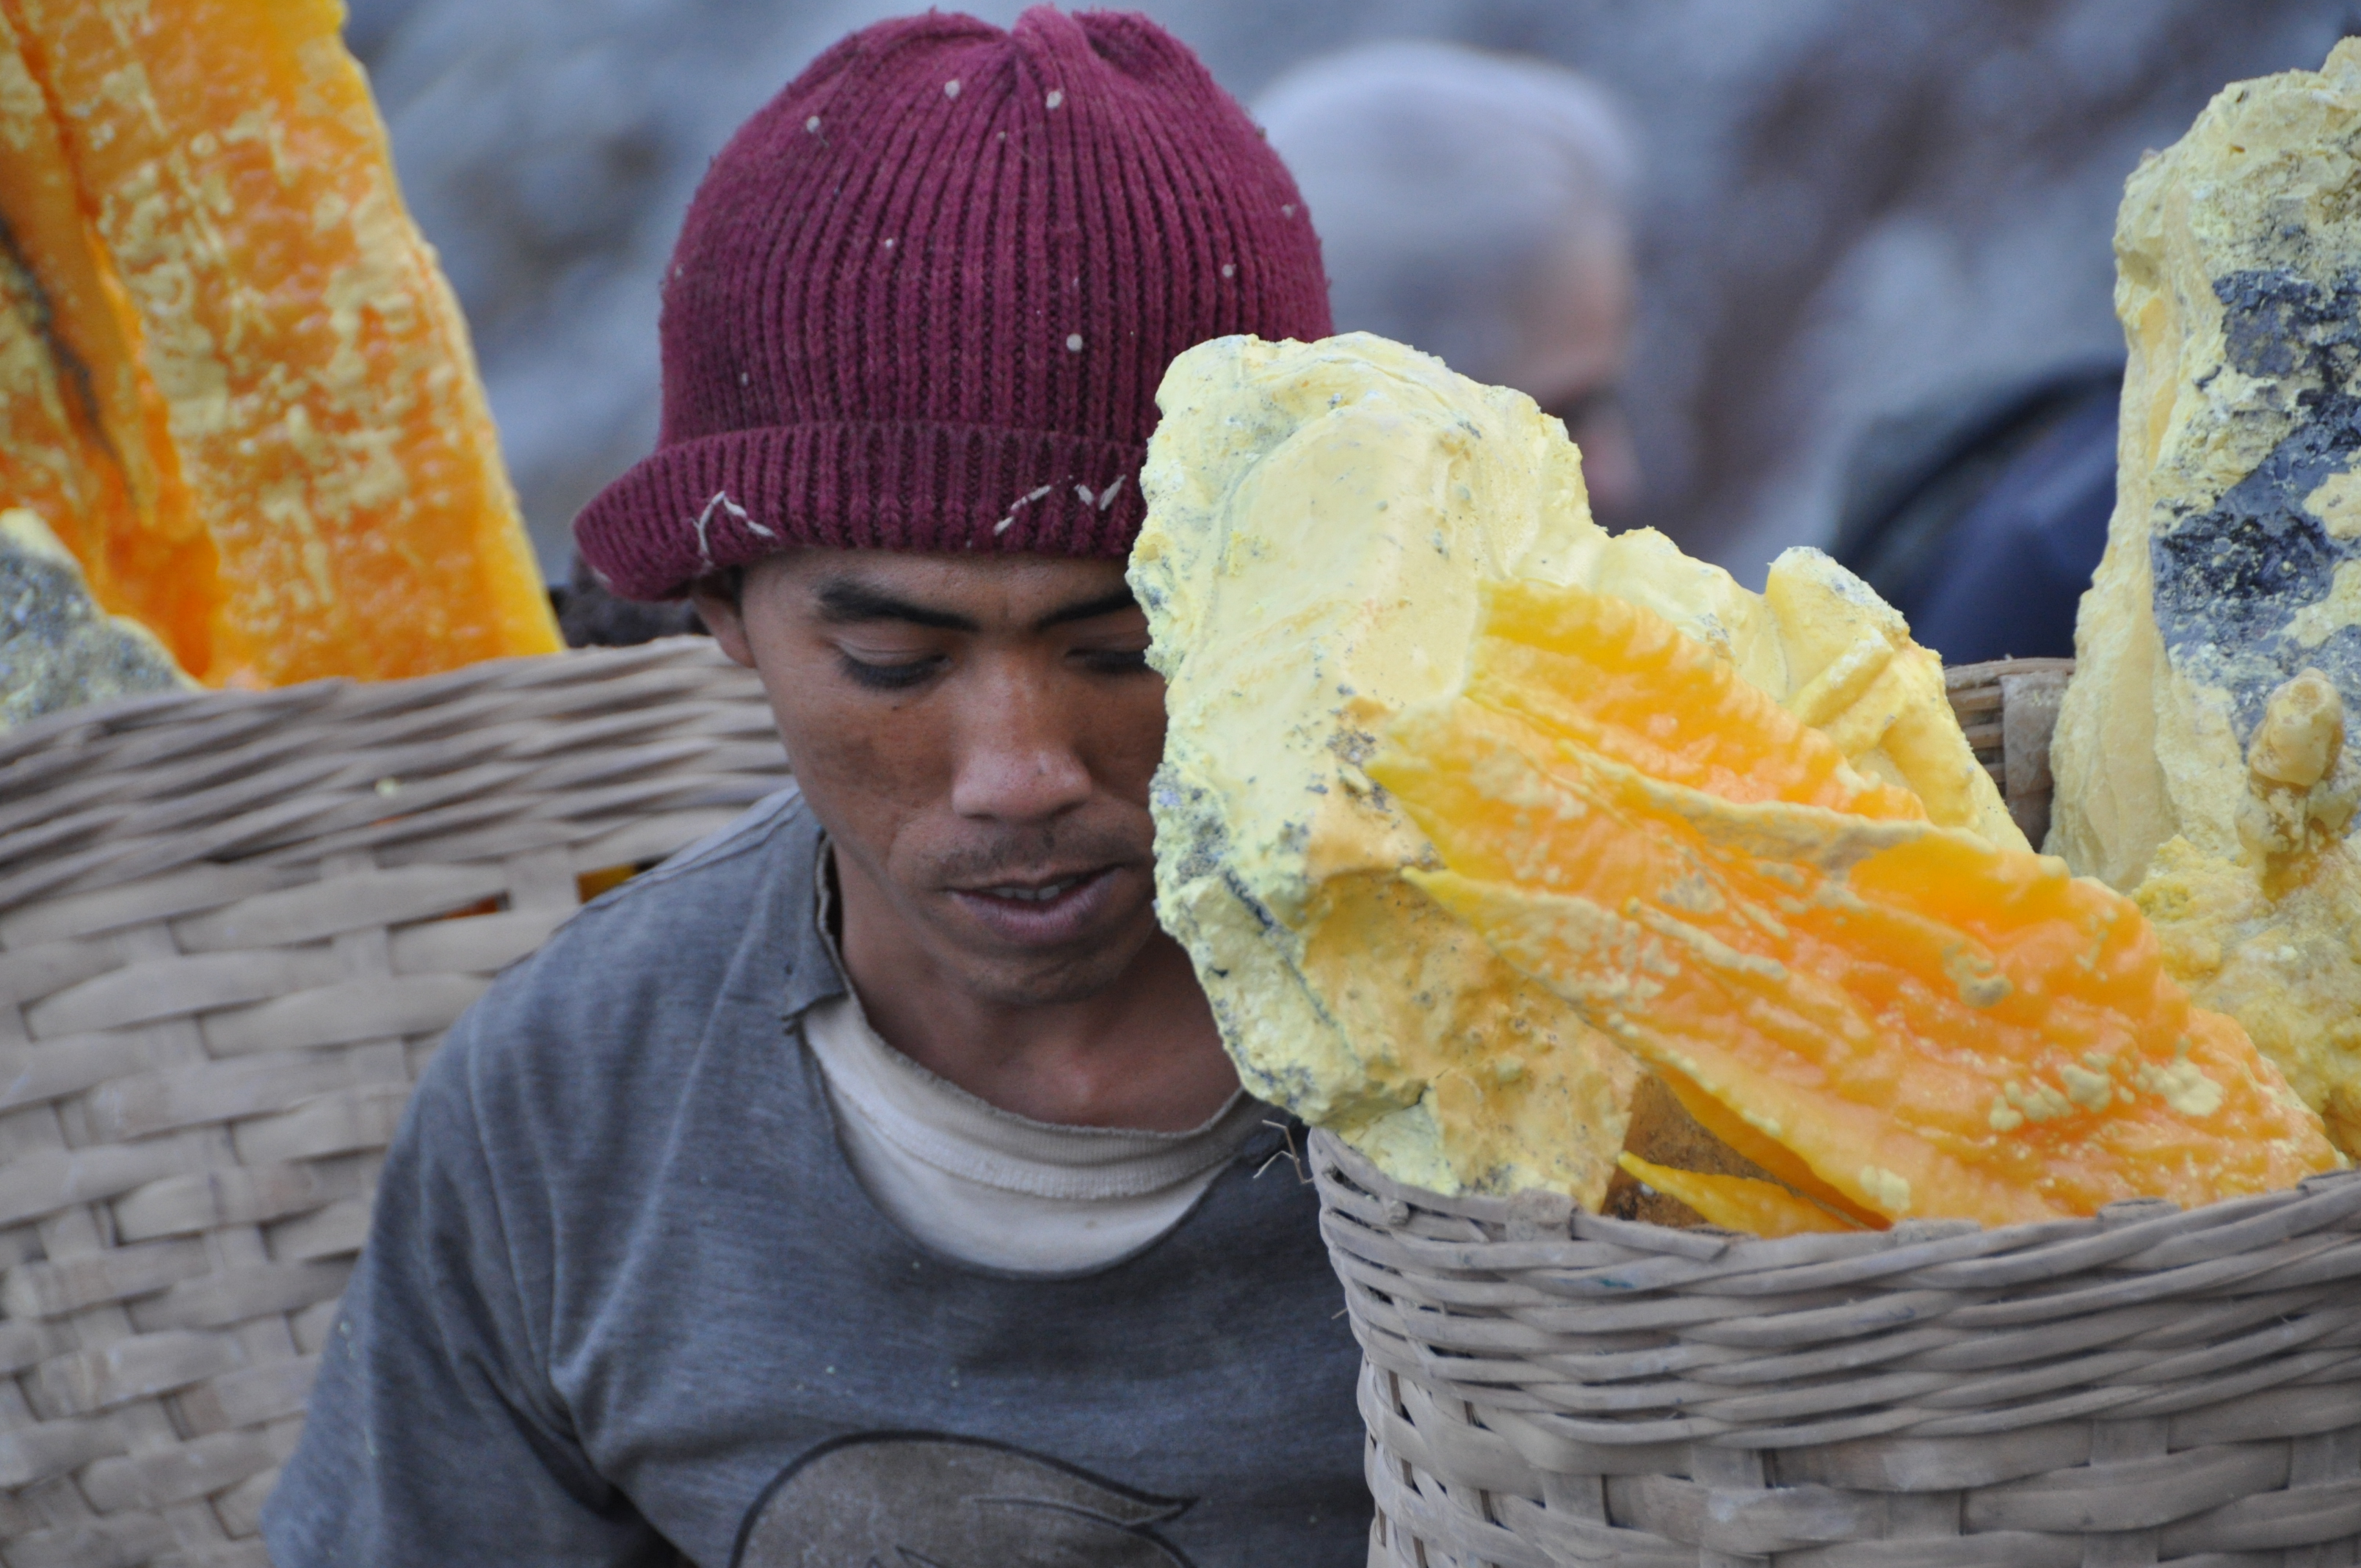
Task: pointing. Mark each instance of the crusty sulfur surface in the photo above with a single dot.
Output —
(267, 384)
(1320, 519)
(2199, 753)
(83, 441)
(1323, 519)
(1932, 1024)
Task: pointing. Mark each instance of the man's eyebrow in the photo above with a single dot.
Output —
(1089, 609)
(846, 600)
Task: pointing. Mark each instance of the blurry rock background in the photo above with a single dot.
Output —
(1851, 207)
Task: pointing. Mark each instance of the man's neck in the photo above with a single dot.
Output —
(1141, 1053)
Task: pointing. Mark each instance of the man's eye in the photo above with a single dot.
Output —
(888, 677)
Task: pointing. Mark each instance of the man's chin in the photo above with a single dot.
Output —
(1045, 981)
(1085, 958)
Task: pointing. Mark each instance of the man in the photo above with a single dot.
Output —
(1472, 204)
(868, 1186)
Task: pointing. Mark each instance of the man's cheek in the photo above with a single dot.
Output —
(850, 756)
(842, 755)
(1133, 745)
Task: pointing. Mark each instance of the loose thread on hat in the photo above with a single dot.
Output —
(704, 519)
(1006, 523)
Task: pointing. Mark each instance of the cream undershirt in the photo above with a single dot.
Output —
(994, 1189)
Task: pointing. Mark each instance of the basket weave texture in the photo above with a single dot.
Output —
(2008, 710)
(233, 928)
(1544, 1386)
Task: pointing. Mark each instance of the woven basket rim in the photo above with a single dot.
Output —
(2140, 1233)
(179, 779)
(78, 726)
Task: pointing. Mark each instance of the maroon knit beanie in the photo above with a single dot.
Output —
(923, 298)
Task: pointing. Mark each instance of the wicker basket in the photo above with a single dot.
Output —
(1545, 1387)
(232, 928)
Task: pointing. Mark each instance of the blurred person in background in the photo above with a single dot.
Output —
(1981, 514)
(1473, 205)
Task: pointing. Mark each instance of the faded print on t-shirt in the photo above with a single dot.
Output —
(928, 1500)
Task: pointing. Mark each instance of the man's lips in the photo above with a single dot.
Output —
(1030, 893)
(1040, 911)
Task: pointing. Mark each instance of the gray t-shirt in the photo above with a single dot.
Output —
(624, 1296)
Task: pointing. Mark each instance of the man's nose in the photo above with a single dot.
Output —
(1019, 758)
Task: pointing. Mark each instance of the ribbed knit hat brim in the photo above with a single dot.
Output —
(923, 298)
(904, 485)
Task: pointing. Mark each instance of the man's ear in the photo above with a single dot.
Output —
(721, 612)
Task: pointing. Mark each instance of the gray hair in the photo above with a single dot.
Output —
(1439, 176)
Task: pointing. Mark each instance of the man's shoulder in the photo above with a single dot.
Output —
(689, 922)
(646, 974)
(777, 837)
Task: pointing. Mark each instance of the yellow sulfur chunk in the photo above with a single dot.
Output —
(2199, 753)
(1321, 517)
(2269, 941)
(1737, 1203)
(1855, 675)
(83, 434)
(1323, 520)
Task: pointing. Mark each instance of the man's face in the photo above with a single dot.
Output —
(1575, 339)
(977, 734)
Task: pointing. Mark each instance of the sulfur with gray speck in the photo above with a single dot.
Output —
(58, 649)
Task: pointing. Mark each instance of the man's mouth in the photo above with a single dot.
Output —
(1048, 913)
(1040, 894)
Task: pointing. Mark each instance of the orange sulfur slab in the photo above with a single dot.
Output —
(1736, 1202)
(1903, 1018)
(82, 435)
(317, 396)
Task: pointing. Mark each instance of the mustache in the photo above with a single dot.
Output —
(1016, 856)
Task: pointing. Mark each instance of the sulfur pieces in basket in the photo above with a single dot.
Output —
(1894, 1018)
(1320, 519)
